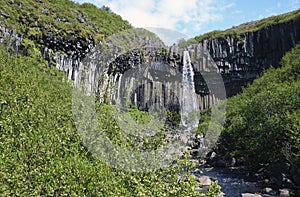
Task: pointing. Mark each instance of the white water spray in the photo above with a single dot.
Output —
(189, 105)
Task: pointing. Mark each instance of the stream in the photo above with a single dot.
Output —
(232, 184)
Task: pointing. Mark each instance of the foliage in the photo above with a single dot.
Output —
(184, 43)
(43, 155)
(173, 118)
(263, 122)
(33, 19)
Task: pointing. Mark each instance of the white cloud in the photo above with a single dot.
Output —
(170, 14)
(237, 12)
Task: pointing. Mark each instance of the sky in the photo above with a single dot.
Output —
(190, 18)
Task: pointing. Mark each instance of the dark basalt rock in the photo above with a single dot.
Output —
(239, 61)
(242, 60)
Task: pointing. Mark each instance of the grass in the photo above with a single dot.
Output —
(35, 18)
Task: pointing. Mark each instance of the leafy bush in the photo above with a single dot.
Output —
(43, 155)
(33, 18)
(263, 122)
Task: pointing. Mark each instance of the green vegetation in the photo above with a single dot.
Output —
(263, 122)
(43, 155)
(35, 18)
(184, 43)
(242, 29)
(173, 118)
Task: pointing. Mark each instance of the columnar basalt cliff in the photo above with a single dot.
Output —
(238, 58)
(11, 40)
(149, 77)
(241, 60)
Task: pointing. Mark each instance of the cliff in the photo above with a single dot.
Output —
(242, 59)
(238, 58)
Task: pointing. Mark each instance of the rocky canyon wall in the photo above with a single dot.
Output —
(237, 59)
(241, 60)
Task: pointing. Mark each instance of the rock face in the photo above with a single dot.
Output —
(151, 79)
(11, 40)
(240, 60)
(237, 60)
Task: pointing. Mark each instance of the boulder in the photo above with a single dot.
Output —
(297, 192)
(204, 181)
(217, 161)
(267, 190)
(195, 153)
(285, 192)
(203, 189)
(240, 161)
(287, 182)
(295, 175)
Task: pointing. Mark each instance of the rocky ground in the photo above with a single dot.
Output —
(281, 179)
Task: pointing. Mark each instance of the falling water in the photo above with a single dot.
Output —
(189, 106)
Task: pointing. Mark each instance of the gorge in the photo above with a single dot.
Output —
(133, 67)
(238, 58)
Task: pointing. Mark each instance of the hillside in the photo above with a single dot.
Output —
(37, 18)
(262, 126)
(42, 153)
(43, 45)
(253, 26)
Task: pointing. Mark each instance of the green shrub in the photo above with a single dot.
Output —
(263, 122)
(43, 155)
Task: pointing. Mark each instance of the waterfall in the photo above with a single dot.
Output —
(189, 105)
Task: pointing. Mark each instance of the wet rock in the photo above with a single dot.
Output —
(195, 153)
(296, 179)
(285, 192)
(268, 190)
(297, 192)
(230, 162)
(295, 175)
(214, 160)
(240, 161)
(250, 195)
(212, 155)
(277, 172)
(217, 161)
(287, 182)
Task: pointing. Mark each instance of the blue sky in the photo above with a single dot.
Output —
(195, 17)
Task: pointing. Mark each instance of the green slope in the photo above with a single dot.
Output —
(35, 18)
(263, 122)
(250, 26)
(41, 153)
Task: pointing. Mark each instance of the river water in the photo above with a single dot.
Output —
(232, 184)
